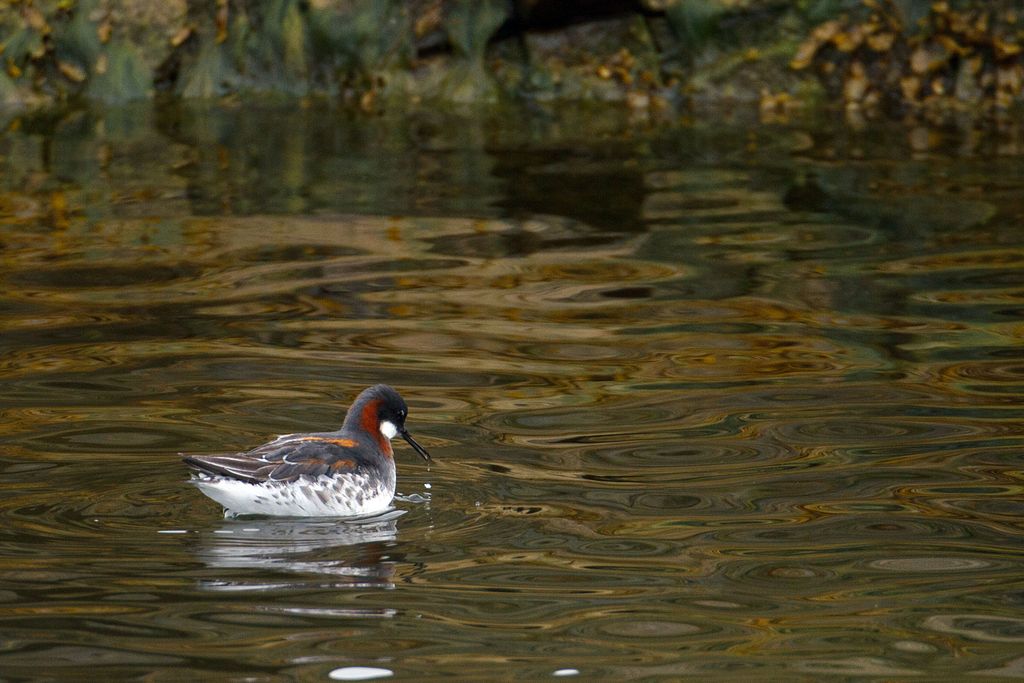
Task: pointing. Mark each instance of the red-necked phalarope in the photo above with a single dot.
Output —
(347, 472)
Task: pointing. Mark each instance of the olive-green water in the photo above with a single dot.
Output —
(715, 399)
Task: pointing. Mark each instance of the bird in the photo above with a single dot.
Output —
(348, 472)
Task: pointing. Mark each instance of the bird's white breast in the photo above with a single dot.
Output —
(338, 496)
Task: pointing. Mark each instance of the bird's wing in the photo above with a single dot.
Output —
(282, 460)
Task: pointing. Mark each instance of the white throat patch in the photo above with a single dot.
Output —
(388, 429)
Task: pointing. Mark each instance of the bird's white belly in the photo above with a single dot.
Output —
(350, 495)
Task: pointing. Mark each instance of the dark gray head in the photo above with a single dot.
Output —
(380, 410)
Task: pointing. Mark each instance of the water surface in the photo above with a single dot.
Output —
(708, 399)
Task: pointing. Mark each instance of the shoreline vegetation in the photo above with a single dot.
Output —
(922, 59)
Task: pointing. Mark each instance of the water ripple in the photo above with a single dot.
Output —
(691, 429)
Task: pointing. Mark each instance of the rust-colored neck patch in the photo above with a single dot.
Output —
(370, 424)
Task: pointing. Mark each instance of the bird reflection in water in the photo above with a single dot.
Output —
(281, 546)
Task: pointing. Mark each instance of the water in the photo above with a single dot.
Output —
(710, 399)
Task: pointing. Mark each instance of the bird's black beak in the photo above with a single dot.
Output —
(415, 446)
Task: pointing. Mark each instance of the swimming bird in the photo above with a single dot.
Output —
(347, 472)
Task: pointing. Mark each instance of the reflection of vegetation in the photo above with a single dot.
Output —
(869, 54)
